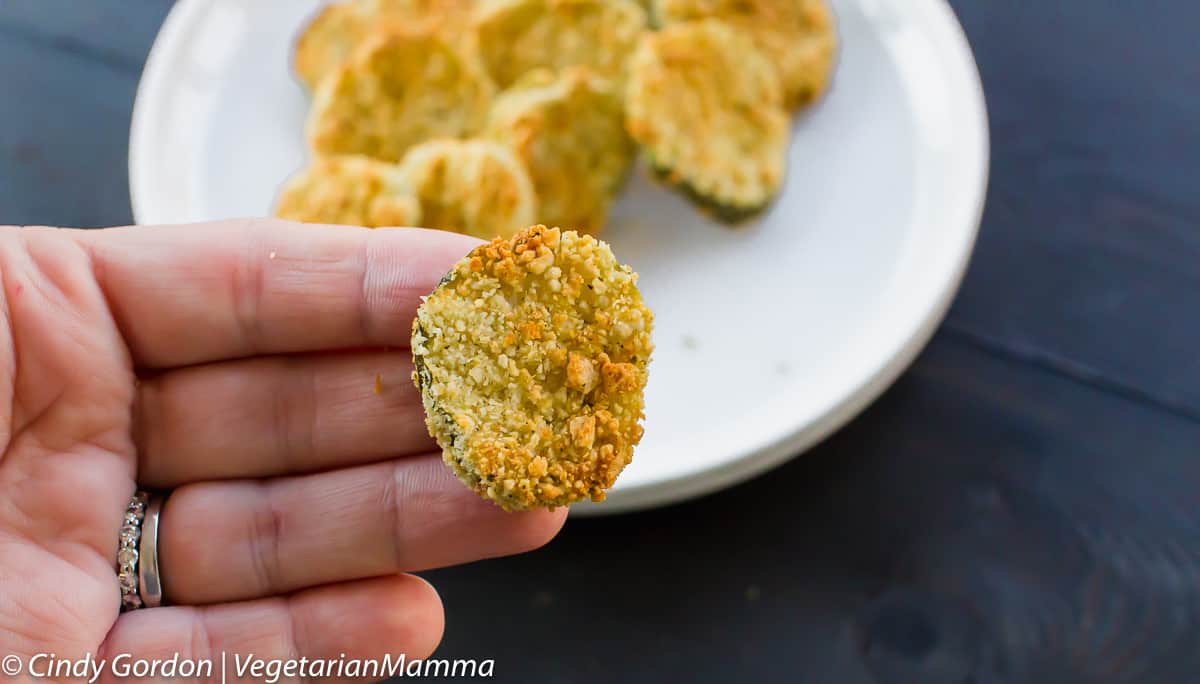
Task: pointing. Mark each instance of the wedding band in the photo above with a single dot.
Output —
(150, 581)
(137, 557)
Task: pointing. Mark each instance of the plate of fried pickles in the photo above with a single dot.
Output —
(798, 184)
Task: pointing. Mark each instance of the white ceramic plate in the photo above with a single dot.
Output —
(770, 336)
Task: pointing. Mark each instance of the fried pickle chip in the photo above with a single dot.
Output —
(517, 36)
(569, 131)
(531, 359)
(798, 36)
(349, 190)
(707, 108)
(476, 187)
(398, 89)
(334, 32)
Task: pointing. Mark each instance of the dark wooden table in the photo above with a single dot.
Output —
(1023, 506)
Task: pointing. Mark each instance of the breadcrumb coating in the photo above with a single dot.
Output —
(517, 36)
(798, 36)
(401, 87)
(349, 190)
(333, 33)
(569, 131)
(531, 358)
(475, 187)
(328, 39)
(707, 107)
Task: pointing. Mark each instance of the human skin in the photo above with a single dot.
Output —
(234, 364)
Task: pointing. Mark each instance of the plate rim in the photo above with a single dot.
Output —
(903, 350)
(805, 437)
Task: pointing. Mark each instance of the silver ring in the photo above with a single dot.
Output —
(150, 580)
(137, 557)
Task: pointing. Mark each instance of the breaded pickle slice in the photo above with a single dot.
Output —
(707, 108)
(328, 39)
(531, 359)
(476, 187)
(798, 36)
(400, 88)
(569, 131)
(338, 28)
(517, 36)
(349, 190)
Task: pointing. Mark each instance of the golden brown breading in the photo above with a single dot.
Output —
(531, 358)
(353, 191)
(517, 36)
(707, 108)
(400, 88)
(798, 36)
(333, 33)
(569, 131)
(327, 40)
(476, 187)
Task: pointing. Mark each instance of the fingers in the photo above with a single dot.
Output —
(277, 415)
(361, 620)
(204, 292)
(237, 540)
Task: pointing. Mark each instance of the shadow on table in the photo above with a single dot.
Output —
(1045, 543)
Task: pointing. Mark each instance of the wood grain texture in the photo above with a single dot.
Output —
(69, 71)
(117, 32)
(1089, 257)
(64, 122)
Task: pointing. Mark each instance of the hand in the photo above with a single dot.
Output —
(233, 364)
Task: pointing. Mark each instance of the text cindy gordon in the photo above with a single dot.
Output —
(243, 667)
